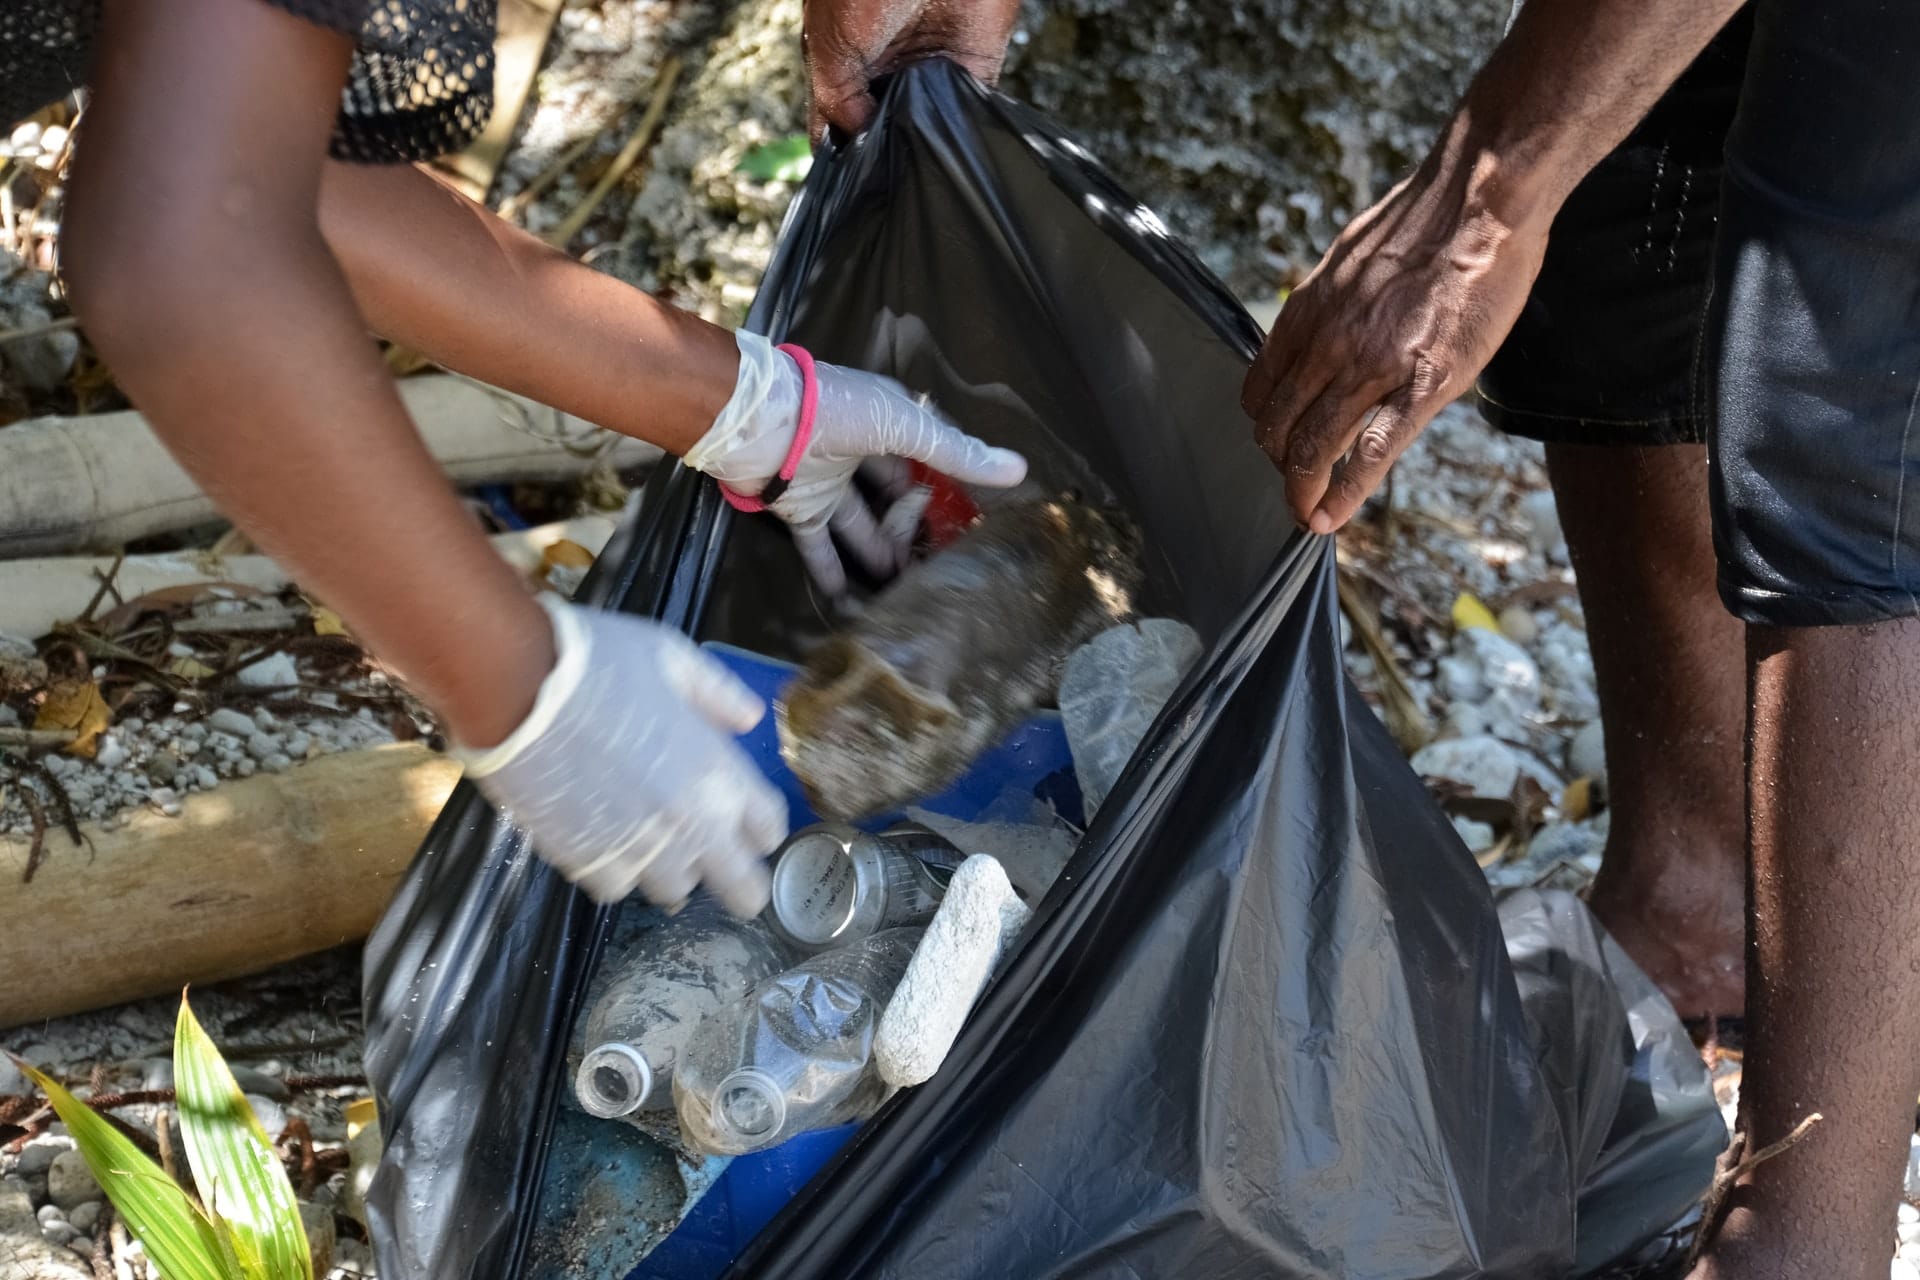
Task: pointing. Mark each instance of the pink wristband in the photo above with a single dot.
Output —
(803, 434)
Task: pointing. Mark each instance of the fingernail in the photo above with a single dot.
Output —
(1321, 523)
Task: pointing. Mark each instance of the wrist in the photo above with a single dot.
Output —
(1514, 179)
(492, 689)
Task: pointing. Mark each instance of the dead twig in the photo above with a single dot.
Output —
(62, 325)
(315, 1083)
(629, 155)
(1733, 1165)
(129, 1098)
(163, 1136)
(1405, 717)
(106, 587)
(285, 618)
(32, 738)
(101, 1258)
(516, 204)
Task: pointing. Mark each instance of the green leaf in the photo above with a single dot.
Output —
(241, 1179)
(786, 160)
(170, 1227)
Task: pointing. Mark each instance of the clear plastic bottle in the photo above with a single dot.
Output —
(794, 1056)
(652, 996)
(834, 885)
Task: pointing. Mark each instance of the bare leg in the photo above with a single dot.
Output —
(1669, 663)
(1834, 963)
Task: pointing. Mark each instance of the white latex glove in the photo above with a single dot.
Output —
(625, 773)
(860, 418)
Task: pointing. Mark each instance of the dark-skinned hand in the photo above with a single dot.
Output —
(1398, 320)
(851, 43)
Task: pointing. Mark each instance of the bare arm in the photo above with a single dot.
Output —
(197, 262)
(1417, 293)
(430, 268)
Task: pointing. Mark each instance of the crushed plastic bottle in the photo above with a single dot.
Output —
(1110, 691)
(834, 885)
(794, 1056)
(653, 996)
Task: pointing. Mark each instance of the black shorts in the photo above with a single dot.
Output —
(1745, 271)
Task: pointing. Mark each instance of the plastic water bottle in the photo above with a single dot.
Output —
(834, 885)
(794, 1056)
(654, 995)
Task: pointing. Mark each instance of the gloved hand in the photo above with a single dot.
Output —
(860, 418)
(625, 773)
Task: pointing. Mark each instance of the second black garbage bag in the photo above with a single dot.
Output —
(1266, 1023)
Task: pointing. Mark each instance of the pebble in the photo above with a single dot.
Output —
(163, 767)
(12, 1082)
(16, 1207)
(262, 745)
(86, 1217)
(1587, 753)
(49, 1214)
(278, 762)
(297, 744)
(228, 721)
(9, 718)
(1483, 766)
(244, 768)
(69, 1182)
(276, 669)
(37, 1156)
(166, 800)
(1541, 515)
(272, 1116)
(1575, 842)
(318, 1222)
(1517, 625)
(1477, 835)
(111, 754)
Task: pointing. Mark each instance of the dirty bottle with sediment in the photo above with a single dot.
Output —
(797, 1054)
(654, 994)
(834, 885)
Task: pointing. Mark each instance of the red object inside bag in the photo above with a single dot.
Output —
(951, 512)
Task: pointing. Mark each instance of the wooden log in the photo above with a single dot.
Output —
(100, 481)
(35, 594)
(254, 874)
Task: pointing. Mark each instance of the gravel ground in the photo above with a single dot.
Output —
(1466, 631)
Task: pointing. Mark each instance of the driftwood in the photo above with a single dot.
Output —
(97, 482)
(254, 874)
(35, 594)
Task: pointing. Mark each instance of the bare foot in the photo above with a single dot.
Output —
(1684, 925)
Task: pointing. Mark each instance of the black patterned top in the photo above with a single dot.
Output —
(421, 84)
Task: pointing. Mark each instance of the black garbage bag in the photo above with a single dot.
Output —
(1267, 1023)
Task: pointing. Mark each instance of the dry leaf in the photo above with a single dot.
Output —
(190, 669)
(564, 554)
(1577, 801)
(1469, 612)
(328, 623)
(78, 706)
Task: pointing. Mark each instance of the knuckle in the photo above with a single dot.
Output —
(1374, 448)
